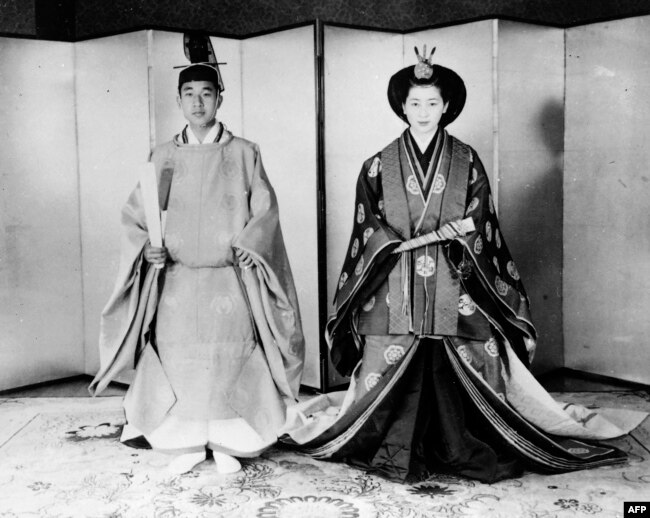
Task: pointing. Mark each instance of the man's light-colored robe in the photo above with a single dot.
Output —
(209, 341)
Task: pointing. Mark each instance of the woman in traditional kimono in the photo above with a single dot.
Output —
(432, 321)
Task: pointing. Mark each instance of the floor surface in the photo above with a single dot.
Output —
(60, 456)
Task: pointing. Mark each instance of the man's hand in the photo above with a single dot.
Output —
(154, 254)
(244, 258)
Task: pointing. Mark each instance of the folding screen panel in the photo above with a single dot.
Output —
(112, 95)
(530, 122)
(40, 282)
(607, 193)
(358, 123)
(279, 113)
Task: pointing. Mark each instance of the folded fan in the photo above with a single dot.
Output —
(447, 232)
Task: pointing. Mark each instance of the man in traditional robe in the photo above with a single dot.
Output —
(210, 320)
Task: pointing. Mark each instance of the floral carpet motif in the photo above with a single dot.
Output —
(61, 457)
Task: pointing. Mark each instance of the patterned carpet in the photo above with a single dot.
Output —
(61, 457)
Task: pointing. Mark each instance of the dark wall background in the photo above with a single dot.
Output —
(80, 19)
(17, 17)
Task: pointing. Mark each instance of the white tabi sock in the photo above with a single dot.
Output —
(225, 463)
(184, 463)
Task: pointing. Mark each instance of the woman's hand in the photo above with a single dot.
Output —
(244, 258)
(154, 254)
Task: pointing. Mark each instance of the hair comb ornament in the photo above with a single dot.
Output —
(424, 68)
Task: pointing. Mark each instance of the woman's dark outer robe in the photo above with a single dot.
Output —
(438, 339)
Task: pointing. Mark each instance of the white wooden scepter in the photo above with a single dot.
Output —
(153, 216)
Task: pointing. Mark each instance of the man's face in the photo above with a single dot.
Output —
(199, 101)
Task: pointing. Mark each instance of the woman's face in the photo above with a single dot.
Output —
(423, 109)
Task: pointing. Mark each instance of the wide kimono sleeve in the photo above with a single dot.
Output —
(367, 263)
(126, 318)
(269, 285)
(494, 282)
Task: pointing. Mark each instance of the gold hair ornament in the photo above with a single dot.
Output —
(424, 68)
